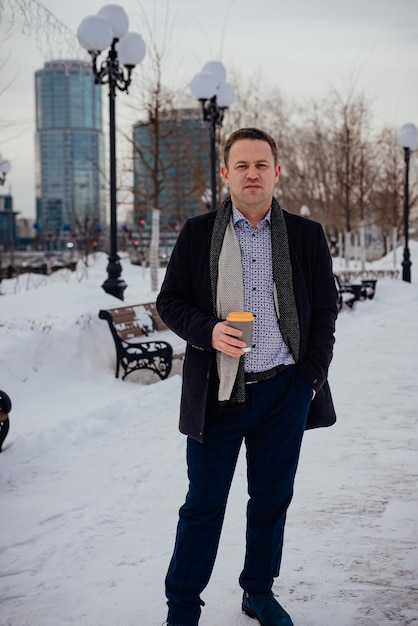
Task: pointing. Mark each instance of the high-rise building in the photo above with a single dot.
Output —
(70, 157)
(171, 167)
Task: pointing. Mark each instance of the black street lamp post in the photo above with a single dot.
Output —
(108, 29)
(408, 140)
(4, 168)
(213, 114)
(215, 96)
(406, 263)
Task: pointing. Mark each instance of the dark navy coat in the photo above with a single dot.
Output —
(185, 305)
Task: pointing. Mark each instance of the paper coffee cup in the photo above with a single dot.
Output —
(242, 320)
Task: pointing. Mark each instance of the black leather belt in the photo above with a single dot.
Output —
(255, 377)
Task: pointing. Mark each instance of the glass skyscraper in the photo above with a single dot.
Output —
(70, 156)
(171, 167)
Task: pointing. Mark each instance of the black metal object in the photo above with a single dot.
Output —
(369, 286)
(349, 293)
(5, 408)
(154, 355)
(5, 402)
(111, 73)
(406, 263)
(214, 115)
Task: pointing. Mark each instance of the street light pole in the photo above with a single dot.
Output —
(114, 284)
(212, 114)
(406, 263)
(108, 29)
(408, 140)
(215, 96)
(4, 168)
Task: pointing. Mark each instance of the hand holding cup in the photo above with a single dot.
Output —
(242, 320)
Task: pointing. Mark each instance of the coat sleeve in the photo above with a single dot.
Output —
(319, 317)
(185, 301)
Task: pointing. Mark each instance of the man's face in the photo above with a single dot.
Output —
(251, 174)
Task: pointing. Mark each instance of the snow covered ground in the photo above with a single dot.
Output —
(92, 473)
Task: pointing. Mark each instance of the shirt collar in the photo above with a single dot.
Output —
(237, 216)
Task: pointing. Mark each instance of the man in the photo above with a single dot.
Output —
(248, 255)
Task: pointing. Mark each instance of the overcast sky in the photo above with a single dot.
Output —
(301, 46)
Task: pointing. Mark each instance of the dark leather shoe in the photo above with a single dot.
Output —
(265, 608)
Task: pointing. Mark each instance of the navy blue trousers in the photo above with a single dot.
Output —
(272, 425)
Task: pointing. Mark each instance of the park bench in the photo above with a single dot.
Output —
(346, 295)
(349, 293)
(142, 340)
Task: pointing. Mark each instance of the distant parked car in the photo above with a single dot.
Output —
(37, 265)
(57, 263)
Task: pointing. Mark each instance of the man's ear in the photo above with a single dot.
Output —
(224, 172)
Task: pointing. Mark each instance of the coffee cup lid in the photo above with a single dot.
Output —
(240, 316)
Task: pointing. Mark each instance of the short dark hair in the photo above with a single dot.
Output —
(249, 133)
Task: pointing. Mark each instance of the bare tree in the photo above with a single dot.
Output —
(85, 235)
(255, 105)
(33, 18)
(331, 162)
(163, 150)
(387, 198)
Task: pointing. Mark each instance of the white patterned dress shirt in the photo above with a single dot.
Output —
(268, 347)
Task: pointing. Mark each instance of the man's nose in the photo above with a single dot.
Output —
(252, 172)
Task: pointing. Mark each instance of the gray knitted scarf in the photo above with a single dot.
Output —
(227, 291)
